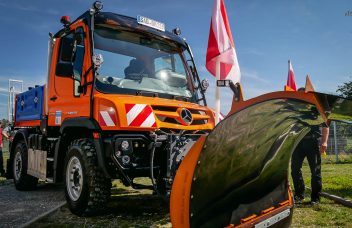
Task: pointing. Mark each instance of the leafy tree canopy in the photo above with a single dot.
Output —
(345, 90)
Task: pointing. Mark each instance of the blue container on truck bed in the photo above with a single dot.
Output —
(29, 104)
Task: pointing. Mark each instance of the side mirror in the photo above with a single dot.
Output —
(98, 60)
(204, 85)
(64, 69)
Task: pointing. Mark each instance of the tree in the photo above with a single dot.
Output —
(345, 90)
(4, 122)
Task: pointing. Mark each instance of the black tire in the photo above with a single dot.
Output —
(96, 188)
(22, 180)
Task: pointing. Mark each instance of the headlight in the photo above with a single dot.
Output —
(125, 145)
(126, 159)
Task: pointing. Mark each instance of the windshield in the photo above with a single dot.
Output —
(134, 63)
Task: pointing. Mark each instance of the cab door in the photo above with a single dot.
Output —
(68, 94)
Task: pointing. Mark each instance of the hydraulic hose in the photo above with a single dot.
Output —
(152, 168)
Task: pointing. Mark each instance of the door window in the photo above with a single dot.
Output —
(78, 58)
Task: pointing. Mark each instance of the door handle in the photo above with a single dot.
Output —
(53, 98)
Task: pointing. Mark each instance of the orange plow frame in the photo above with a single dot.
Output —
(181, 196)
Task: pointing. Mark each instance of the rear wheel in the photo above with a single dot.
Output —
(87, 190)
(22, 180)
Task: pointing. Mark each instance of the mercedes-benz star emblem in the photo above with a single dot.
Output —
(186, 116)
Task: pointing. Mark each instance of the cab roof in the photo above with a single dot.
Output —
(126, 22)
(131, 24)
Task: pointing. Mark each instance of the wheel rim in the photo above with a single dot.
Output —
(18, 165)
(74, 178)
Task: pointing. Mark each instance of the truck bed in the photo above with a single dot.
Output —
(30, 105)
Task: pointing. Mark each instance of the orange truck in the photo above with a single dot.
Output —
(122, 100)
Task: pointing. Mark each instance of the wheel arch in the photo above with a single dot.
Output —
(21, 135)
(71, 129)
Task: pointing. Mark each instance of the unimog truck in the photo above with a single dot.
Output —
(122, 100)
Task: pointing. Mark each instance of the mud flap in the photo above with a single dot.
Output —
(238, 174)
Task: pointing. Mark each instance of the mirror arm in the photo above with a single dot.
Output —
(236, 90)
(85, 83)
(196, 73)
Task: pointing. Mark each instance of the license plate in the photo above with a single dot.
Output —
(151, 23)
(272, 220)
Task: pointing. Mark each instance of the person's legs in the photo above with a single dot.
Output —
(2, 171)
(296, 172)
(314, 160)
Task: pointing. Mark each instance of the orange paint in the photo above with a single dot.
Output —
(30, 123)
(252, 220)
(118, 101)
(62, 102)
(60, 89)
(307, 97)
(181, 188)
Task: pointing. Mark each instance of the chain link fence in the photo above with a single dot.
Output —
(340, 143)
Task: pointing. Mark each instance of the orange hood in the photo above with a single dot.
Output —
(139, 113)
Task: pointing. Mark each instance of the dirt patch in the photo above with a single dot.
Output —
(127, 208)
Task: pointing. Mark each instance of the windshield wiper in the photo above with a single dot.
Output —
(142, 92)
(154, 94)
(180, 98)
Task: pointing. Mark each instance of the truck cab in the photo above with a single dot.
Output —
(123, 100)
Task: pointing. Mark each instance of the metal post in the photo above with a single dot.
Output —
(217, 93)
(335, 142)
(12, 96)
(8, 103)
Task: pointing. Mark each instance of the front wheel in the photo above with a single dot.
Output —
(87, 190)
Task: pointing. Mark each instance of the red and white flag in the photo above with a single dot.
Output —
(221, 46)
(291, 82)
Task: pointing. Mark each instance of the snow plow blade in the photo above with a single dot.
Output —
(237, 176)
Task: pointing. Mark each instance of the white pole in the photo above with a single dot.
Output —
(335, 143)
(8, 103)
(217, 94)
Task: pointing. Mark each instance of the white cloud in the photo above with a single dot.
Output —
(253, 76)
(253, 85)
(250, 51)
(251, 91)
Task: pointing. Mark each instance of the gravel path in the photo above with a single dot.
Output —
(20, 207)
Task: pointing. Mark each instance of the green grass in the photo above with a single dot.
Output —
(342, 158)
(139, 208)
(326, 214)
(337, 180)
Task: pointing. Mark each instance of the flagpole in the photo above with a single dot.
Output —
(217, 93)
(289, 61)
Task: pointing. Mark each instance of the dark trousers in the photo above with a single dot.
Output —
(308, 147)
(2, 171)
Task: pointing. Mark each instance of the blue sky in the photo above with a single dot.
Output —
(315, 34)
